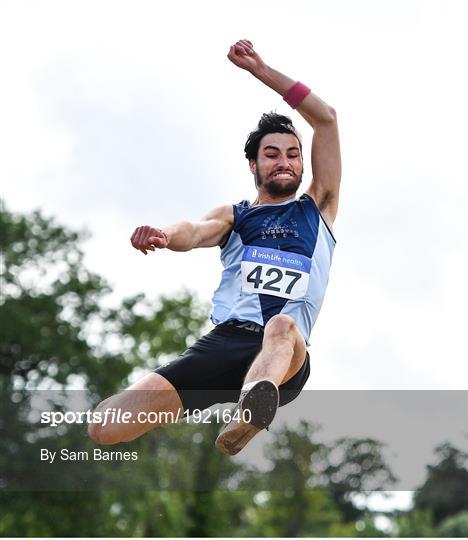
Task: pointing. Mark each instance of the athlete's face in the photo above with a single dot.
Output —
(278, 167)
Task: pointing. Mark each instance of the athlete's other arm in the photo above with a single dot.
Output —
(326, 158)
(211, 231)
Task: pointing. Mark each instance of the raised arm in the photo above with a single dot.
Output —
(326, 159)
(211, 231)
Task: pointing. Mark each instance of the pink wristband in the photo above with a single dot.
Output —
(296, 94)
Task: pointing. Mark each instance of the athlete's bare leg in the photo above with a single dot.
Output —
(151, 394)
(282, 355)
(283, 352)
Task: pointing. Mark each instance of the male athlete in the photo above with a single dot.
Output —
(276, 255)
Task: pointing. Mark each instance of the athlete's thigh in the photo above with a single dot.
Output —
(149, 403)
(299, 356)
(291, 389)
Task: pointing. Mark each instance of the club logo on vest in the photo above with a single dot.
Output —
(272, 227)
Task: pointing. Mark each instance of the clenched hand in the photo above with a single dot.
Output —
(148, 238)
(242, 54)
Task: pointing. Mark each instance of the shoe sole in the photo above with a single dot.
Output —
(262, 402)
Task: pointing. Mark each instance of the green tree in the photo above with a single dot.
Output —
(454, 527)
(49, 300)
(54, 326)
(295, 505)
(445, 491)
(360, 467)
(414, 524)
(300, 494)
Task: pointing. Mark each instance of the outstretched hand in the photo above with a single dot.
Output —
(148, 238)
(242, 54)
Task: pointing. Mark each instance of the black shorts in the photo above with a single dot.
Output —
(213, 369)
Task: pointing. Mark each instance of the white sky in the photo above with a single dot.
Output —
(118, 114)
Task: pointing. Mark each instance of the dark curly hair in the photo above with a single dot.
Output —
(269, 123)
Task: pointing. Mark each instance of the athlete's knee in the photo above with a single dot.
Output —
(98, 434)
(281, 325)
(111, 433)
(103, 432)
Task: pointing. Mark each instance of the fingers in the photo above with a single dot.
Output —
(243, 47)
(247, 45)
(135, 239)
(232, 55)
(140, 241)
(147, 238)
(141, 235)
(159, 242)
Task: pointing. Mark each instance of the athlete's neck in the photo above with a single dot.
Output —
(266, 198)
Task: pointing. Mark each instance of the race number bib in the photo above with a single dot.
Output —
(275, 272)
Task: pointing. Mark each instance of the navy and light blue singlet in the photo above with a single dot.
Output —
(276, 260)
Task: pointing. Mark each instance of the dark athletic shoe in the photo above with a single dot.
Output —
(262, 402)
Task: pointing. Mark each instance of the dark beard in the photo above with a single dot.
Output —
(279, 189)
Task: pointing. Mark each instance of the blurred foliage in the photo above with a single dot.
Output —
(54, 323)
(361, 468)
(61, 329)
(414, 524)
(455, 526)
(445, 491)
(48, 299)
